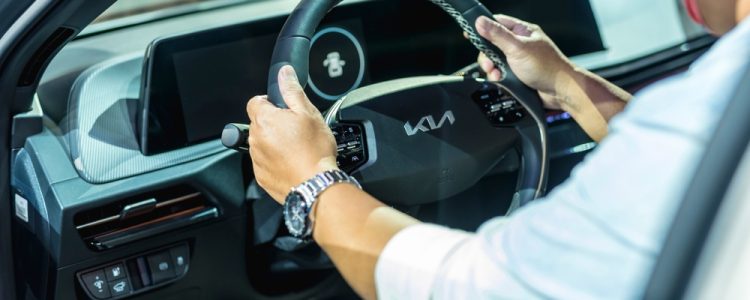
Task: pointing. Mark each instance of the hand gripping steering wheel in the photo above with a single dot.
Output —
(418, 140)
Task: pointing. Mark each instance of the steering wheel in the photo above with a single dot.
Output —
(423, 139)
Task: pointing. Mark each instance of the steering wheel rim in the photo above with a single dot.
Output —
(293, 48)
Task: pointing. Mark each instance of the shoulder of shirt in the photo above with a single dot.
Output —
(733, 45)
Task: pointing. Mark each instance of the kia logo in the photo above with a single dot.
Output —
(428, 123)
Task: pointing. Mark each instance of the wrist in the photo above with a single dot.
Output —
(324, 164)
(327, 199)
(567, 88)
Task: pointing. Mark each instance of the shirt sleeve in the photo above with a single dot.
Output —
(423, 248)
(432, 262)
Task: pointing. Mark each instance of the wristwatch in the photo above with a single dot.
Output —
(300, 200)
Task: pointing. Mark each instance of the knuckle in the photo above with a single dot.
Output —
(252, 104)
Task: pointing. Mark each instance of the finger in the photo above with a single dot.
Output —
(466, 35)
(494, 75)
(291, 90)
(485, 63)
(517, 26)
(258, 105)
(498, 34)
(508, 21)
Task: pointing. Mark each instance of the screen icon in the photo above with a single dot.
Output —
(335, 64)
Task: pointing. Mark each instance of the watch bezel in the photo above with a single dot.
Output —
(303, 200)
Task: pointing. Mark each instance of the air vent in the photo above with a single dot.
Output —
(143, 216)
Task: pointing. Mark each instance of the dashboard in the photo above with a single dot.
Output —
(97, 199)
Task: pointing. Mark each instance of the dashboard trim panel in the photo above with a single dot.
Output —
(101, 138)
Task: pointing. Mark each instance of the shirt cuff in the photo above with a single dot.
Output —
(410, 262)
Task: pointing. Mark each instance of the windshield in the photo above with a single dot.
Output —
(126, 8)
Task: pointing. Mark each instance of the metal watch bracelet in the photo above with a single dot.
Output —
(313, 187)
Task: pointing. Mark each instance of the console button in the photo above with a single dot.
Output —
(120, 287)
(115, 272)
(181, 259)
(96, 284)
(161, 266)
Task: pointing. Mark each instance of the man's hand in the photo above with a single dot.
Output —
(536, 60)
(531, 54)
(288, 146)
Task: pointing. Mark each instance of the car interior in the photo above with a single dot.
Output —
(122, 185)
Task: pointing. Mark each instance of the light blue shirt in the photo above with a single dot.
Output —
(598, 235)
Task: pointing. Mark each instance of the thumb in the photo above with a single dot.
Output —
(291, 90)
(497, 34)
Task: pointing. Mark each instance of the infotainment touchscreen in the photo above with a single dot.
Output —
(197, 83)
(198, 80)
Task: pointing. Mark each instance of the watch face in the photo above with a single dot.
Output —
(295, 214)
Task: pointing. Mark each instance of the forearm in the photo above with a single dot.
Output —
(352, 227)
(592, 101)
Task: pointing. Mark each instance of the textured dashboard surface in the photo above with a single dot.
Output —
(100, 126)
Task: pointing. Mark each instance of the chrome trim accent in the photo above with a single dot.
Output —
(178, 199)
(330, 117)
(98, 222)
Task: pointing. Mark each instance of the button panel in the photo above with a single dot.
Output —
(500, 108)
(137, 274)
(350, 145)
